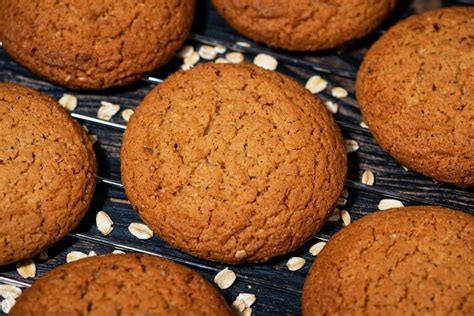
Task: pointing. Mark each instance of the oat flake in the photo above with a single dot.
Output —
(26, 268)
(266, 61)
(295, 263)
(69, 102)
(368, 178)
(389, 203)
(225, 278)
(7, 290)
(234, 57)
(316, 84)
(104, 223)
(317, 247)
(74, 256)
(346, 217)
(141, 231)
(339, 92)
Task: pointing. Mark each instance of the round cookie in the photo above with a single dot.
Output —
(304, 25)
(416, 93)
(94, 44)
(404, 261)
(47, 172)
(233, 163)
(131, 284)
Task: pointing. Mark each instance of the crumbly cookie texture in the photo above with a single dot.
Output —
(233, 163)
(304, 25)
(404, 261)
(47, 172)
(116, 284)
(94, 44)
(416, 92)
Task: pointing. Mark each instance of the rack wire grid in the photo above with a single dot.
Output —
(278, 290)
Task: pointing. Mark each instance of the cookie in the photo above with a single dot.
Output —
(94, 44)
(416, 93)
(131, 284)
(47, 172)
(304, 25)
(404, 261)
(233, 163)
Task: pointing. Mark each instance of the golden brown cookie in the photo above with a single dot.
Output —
(47, 172)
(131, 284)
(94, 44)
(233, 163)
(416, 92)
(404, 261)
(304, 25)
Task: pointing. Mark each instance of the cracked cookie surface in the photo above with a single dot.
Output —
(94, 44)
(304, 25)
(416, 92)
(233, 163)
(47, 172)
(407, 261)
(131, 284)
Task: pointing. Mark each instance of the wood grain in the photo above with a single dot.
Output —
(278, 290)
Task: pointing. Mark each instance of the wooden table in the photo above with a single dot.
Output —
(278, 290)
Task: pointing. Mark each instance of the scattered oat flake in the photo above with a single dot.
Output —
(316, 84)
(221, 60)
(118, 252)
(85, 128)
(241, 254)
(336, 215)
(317, 247)
(238, 306)
(220, 49)
(7, 304)
(26, 268)
(92, 253)
(7, 290)
(104, 223)
(339, 92)
(351, 145)
(107, 110)
(266, 61)
(192, 59)
(93, 138)
(139, 230)
(389, 203)
(346, 217)
(295, 263)
(345, 193)
(368, 177)
(207, 52)
(405, 168)
(341, 201)
(186, 51)
(234, 57)
(75, 255)
(332, 106)
(247, 298)
(43, 256)
(243, 44)
(246, 312)
(127, 114)
(69, 102)
(364, 125)
(186, 66)
(225, 278)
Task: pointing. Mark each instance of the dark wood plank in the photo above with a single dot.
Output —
(278, 290)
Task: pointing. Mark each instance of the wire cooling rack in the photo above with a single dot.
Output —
(278, 290)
